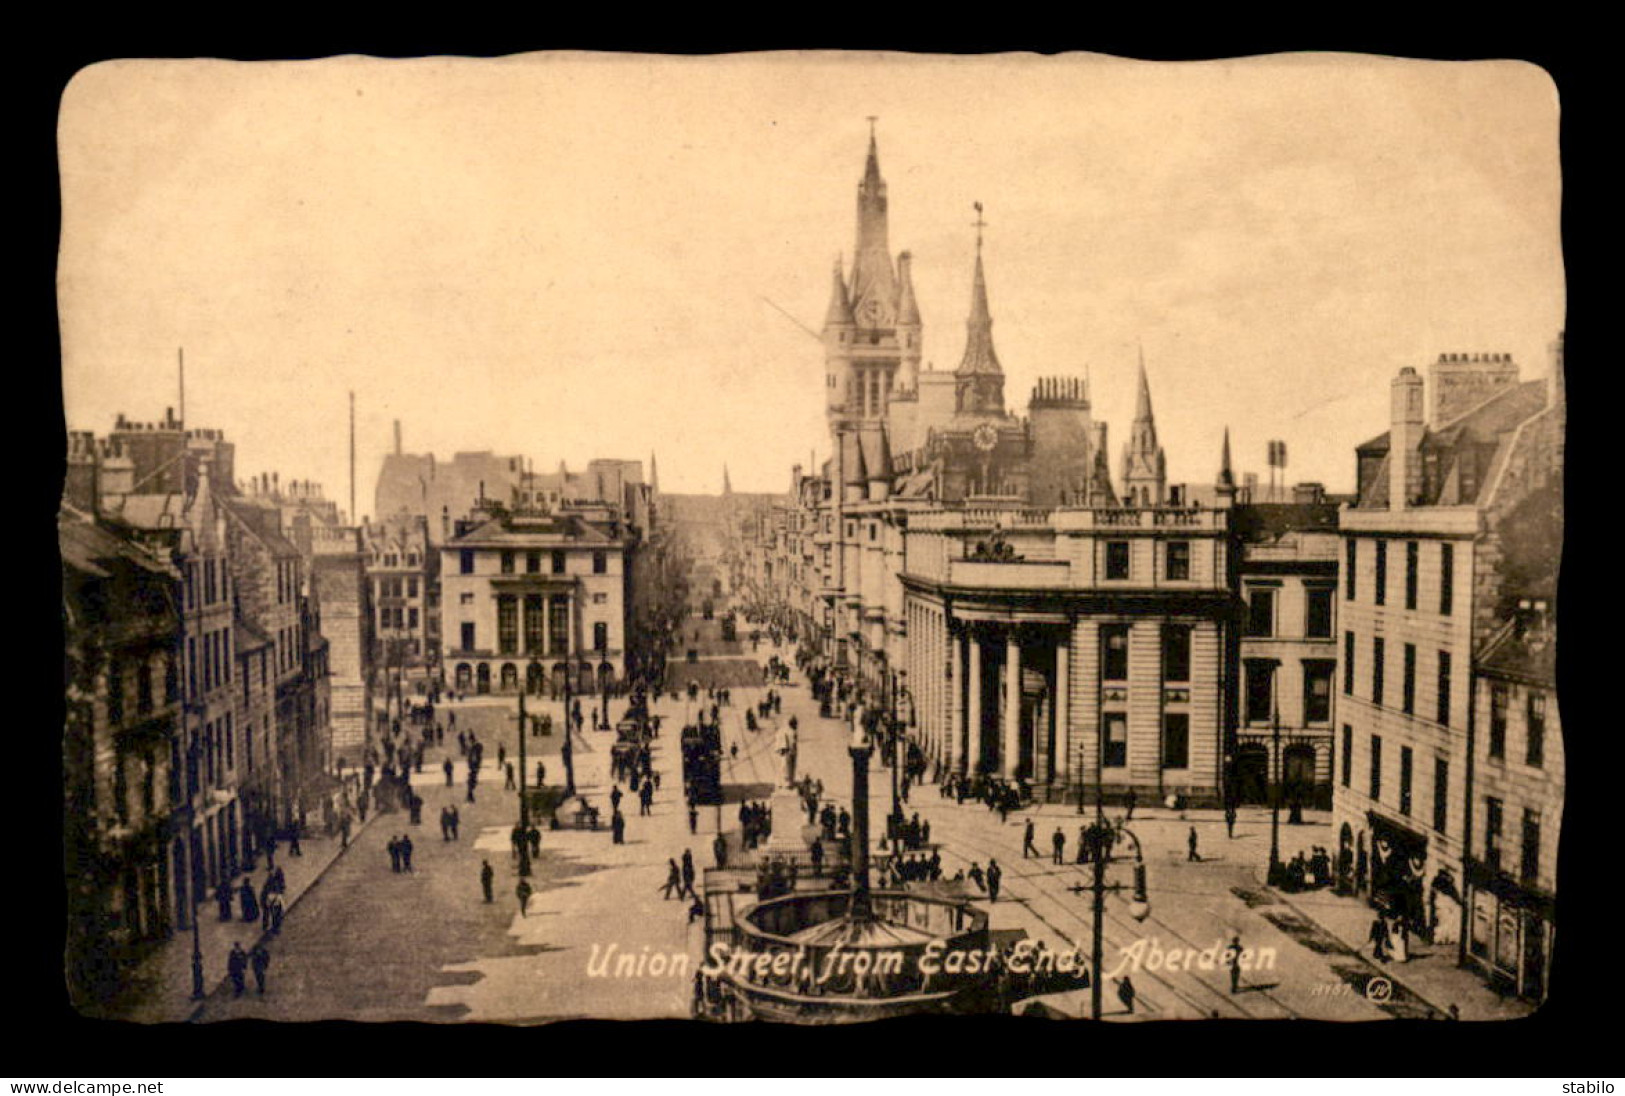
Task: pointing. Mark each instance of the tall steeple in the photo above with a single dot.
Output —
(1145, 473)
(654, 474)
(874, 282)
(981, 378)
(1225, 486)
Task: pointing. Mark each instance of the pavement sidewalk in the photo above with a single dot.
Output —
(158, 990)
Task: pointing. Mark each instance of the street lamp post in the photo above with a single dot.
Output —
(1098, 840)
(1275, 872)
(567, 751)
(197, 950)
(524, 802)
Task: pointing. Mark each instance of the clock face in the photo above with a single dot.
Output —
(871, 310)
(985, 437)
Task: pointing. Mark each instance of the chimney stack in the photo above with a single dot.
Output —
(1404, 439)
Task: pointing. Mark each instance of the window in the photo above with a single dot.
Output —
(533, 623)
(558, 625)
(1261, 612)
(1351, 554)
(1382, 573)
(1317, 692)
(533, 563)
(1492, 832)
(1442, 716)
(468, 635)
(1536, 755)
(1529, 867)
(412, 587)
(1447, 577)
(466, 561)
(1441, 793)
(1116, 559)
(1407, 690)
(600, 599)
(1376, 766)
(874, 530)
(507, 563)
(1377, 658)
(1114, 746)
(1176, 652)
(558, 563)
(1348, 755)
(1498, 720)
(1114, 652)
(1348, 663)
(143, 689)
(1412, 557)
(1317, 622)
(507, 625)
(1179, 560)
(1405, 780)
(231, 750)
(600, 636)
(121, 790)
(1260, 687)
(115, 691)
(1176, 740)
(600, 563)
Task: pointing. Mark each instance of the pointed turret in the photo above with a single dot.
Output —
(1225, 487)
(654, 474)
(874, 283)
(727, 485)
(980, 384)
(1144, 463)
(908, 310)
(840, 305)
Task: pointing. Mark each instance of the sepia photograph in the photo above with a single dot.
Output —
(811, 537)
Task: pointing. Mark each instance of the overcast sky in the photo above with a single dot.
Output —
(566, 256)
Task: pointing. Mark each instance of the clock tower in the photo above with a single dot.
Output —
(872, 327)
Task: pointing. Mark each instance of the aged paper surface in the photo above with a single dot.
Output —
(399, 390)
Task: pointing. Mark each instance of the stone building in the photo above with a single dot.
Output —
(1425, 584)
(538, 598)
(123, 804)
(402, 570)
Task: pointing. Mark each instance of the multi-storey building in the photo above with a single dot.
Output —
(121, 619)
(1423, 585)
(536, 597)
(401, 570)
(1286, 579)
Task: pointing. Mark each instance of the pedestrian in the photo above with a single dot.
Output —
(994, 874)
(1379, 939)
(617, 828)
(693, 818)
(615, 798)
(674, 880)
(509, 771)
(260, 959)
(1230, 820)
(344, 830)
(817, 853)
(293, 838)
(1059, 842)
(250, 904)
(456, 820)
(1027, 846)
(1191, 855)
(535, 836)
(236, 968)
(1125, 993)
(445, 823)
(502, 754)
(719, 850)
(1133, 798)
(448, 768)
(471, 780)
(1232, 959)
(222, 895)
(541, 774)
(976, 876)
(688, 871)
(394, 847)
(406, 852)
(487, 876)
(523, 892)
(696, 910)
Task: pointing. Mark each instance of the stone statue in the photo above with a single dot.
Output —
(787, 747)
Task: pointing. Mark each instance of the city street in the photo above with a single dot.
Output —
(599, 940)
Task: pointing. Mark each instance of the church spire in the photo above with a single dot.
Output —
(1144, 463)
(874, 282)
(1227, 479)
(979, 354)
(727, 485)
(654, 474)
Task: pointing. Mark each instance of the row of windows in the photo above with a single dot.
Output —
(1534, 725)
(533, 562)
(1176, 560)
(144, 694)
(1494, 820)
(392, 587)
(287, 580)
(397, 616)
(1176, 652)
(207, 583)
(1407, 697)
(1176, 740)
(1317, 690)
(1441, 777)
(508, 632)
(1317, 618)
(391, 559)
(1413, 557)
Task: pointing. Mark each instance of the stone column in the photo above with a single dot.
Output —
(973, 722)
(1062, 707)
(547, 624)
(953, 709)
(1010, 747)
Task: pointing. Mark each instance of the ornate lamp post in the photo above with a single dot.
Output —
(524, 800)
(567, 751)
(1276, 870)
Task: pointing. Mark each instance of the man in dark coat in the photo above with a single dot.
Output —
(1058, 841)
(237, 968)
(251, 905)
(222, 895)
(1027, 846)
(448, 768)
(260, 959)
(487, 876)
(394, 847)
(406, 853)
(994, 874)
